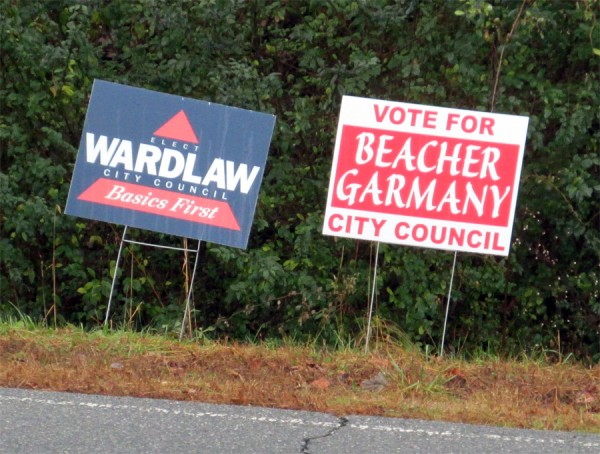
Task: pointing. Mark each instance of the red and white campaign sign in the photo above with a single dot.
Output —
(425, 176)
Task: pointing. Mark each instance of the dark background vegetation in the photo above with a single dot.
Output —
(296, 59)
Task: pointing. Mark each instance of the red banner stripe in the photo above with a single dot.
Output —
(170, 204)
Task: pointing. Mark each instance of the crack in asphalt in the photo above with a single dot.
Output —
(343, 422)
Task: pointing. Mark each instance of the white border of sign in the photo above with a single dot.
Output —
(392, 224)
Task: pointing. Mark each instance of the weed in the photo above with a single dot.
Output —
(524, 392)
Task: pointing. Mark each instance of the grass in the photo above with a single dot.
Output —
(527, 393)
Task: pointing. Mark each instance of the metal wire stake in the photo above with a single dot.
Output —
(189, 295)
(448, 305)
(372, 299)
(114, 280)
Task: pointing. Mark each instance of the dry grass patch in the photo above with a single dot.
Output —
(390, 381)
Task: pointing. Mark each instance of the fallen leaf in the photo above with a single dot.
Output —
(585, 398)
(315, 366)
(320, 383)
(377, 383)
(344, 378)
(456, 378)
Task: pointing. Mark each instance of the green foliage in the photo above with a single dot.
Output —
(296, 60)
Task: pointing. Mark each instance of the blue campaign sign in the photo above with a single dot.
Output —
(170, 164)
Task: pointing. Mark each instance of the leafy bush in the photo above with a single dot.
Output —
(296, 60)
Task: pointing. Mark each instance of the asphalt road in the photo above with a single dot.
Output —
(46, 422)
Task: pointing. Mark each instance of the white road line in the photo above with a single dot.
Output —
(299, 421)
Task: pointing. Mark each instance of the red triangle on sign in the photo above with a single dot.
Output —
(178, 128)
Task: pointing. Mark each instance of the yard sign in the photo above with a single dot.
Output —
(425, 176)
(170, 164)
